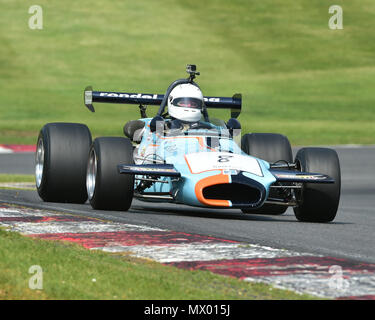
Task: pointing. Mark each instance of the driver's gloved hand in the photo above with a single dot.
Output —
(200, 125)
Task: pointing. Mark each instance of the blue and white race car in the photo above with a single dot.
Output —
(183, 156)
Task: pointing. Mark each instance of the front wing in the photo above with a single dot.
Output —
(168, 170)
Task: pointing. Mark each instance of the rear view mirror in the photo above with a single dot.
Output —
(156, 122)
(233, 126)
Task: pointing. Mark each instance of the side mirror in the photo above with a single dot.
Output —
(234, 126)
(156, 122)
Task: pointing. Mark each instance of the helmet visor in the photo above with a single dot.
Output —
(193, 103)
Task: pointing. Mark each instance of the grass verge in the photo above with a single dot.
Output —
(17, 181)
(4, 178)
(72, 272)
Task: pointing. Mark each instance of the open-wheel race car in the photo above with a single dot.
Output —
(183, 156)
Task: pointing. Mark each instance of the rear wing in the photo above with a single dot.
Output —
(233, 103)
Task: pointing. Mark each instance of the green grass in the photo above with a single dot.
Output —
(17, 181)
(72, 272)
(296, 75)
(16, 178)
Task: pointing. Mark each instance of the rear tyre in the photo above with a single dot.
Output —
(271, 147)
(108, 189)
(61, 160)
(318, 202)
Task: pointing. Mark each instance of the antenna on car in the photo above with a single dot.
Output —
(191, 69)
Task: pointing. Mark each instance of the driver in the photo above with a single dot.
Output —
(185, 107)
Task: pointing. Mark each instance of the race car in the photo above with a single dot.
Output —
(183, 156)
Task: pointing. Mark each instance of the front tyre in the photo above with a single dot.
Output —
(271, 147)
(108, 189)
(318, 202)
(60, 162)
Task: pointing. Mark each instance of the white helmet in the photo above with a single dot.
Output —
(185, 102)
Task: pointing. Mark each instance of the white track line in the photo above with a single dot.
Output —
(5, 150)
(30, 228)
(322, 284)
(18, 212)
(18, 185)
(201, 252)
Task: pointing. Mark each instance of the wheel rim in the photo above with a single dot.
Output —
(91, 174)
(39, 162)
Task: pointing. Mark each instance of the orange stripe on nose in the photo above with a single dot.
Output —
(210, 181)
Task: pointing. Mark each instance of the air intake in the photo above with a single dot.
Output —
(237, 193)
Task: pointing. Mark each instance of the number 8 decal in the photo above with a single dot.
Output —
(224, 158)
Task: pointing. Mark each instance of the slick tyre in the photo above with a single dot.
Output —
(271, 147)
(107, 188)
(318, 202)
(61, 160)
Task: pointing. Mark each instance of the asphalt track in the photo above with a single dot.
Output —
(351, 235)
